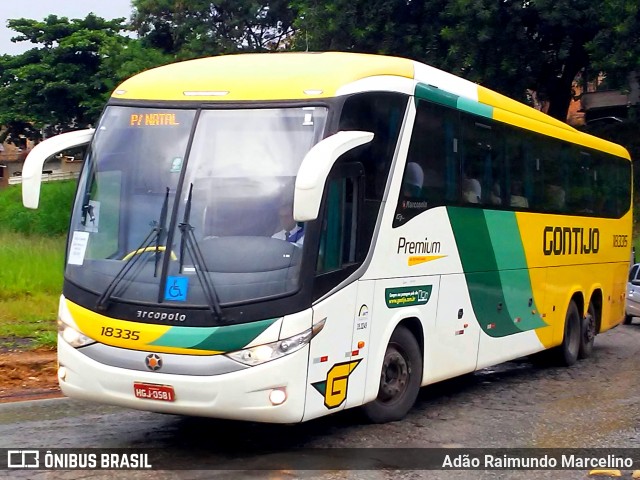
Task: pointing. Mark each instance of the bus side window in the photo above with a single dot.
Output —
(381, 114)
(478, 156)
(337, 242)
(612, 184)
(430, 175)
(581, 188)
(341, 246)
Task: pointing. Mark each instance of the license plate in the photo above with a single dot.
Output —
(153, 391)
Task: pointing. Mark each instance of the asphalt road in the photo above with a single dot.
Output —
(594, 404)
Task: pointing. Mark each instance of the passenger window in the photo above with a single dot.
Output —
(555, 166)
(581, 193)
(477, 154)
(430, 177)
(458, 158)
(381, 114)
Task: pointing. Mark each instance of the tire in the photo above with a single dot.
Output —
(588, 326)
(566, 354)
(627, 319)
(400, 379)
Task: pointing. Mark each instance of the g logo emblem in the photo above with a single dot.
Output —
(334, 388)
(153, 362)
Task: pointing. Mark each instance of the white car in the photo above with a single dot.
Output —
(632, 307)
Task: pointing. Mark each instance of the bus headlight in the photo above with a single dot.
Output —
(270, 351)
(72, 336)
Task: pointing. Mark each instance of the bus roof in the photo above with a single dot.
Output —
(311, 75)
(260, 76)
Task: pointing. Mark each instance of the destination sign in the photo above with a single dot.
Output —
(153, 120)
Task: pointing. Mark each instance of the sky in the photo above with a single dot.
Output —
(39, 9)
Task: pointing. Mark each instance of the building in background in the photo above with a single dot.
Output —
(610, 106)
(61, 167)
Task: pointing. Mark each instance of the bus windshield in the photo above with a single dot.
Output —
(216, 184)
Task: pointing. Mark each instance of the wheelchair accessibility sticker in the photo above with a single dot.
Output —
(176, 289)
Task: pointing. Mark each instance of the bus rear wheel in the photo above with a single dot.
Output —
(587, 332)
(567, 352)
(400, 379)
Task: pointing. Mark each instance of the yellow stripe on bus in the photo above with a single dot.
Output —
(125, 334)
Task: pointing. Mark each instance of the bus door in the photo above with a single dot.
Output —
(336, 370)
(453, 348)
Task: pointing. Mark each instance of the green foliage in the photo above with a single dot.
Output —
(616, 50)
(510, 46)
(201, 28)
(514, 46)
(406, 29)
(56, 85)
(63, 82)
(51, 218)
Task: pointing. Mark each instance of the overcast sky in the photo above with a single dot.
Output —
(39, 9)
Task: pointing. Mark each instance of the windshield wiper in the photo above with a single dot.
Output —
(87, 208)
(189, 244)
(162, 230)
(158, 230)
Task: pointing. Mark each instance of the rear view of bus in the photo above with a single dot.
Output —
(276, 237)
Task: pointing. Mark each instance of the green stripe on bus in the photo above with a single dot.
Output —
(491, 291)
(220, 339)
(476, 251)
(434, 94)
(474, 107)
(513, 269)
(505, 239)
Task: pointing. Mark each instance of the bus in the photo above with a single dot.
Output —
(441, 228)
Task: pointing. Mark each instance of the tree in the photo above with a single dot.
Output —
(200, 28)
(515, 46)
(512, 46)
(403, 28)
(616, 50)
(64, 81)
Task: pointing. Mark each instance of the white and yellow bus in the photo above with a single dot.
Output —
(440, 228)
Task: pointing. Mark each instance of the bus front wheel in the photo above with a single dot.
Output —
(400, 379)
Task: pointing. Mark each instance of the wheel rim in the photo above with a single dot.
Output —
(394, 378)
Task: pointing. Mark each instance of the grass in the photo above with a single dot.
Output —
(31, 279)
(32, 245)
(51, 217)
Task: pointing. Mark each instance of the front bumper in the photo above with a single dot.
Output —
(240, 395)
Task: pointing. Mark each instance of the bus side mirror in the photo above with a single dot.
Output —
(32, 169)
(315, 169)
